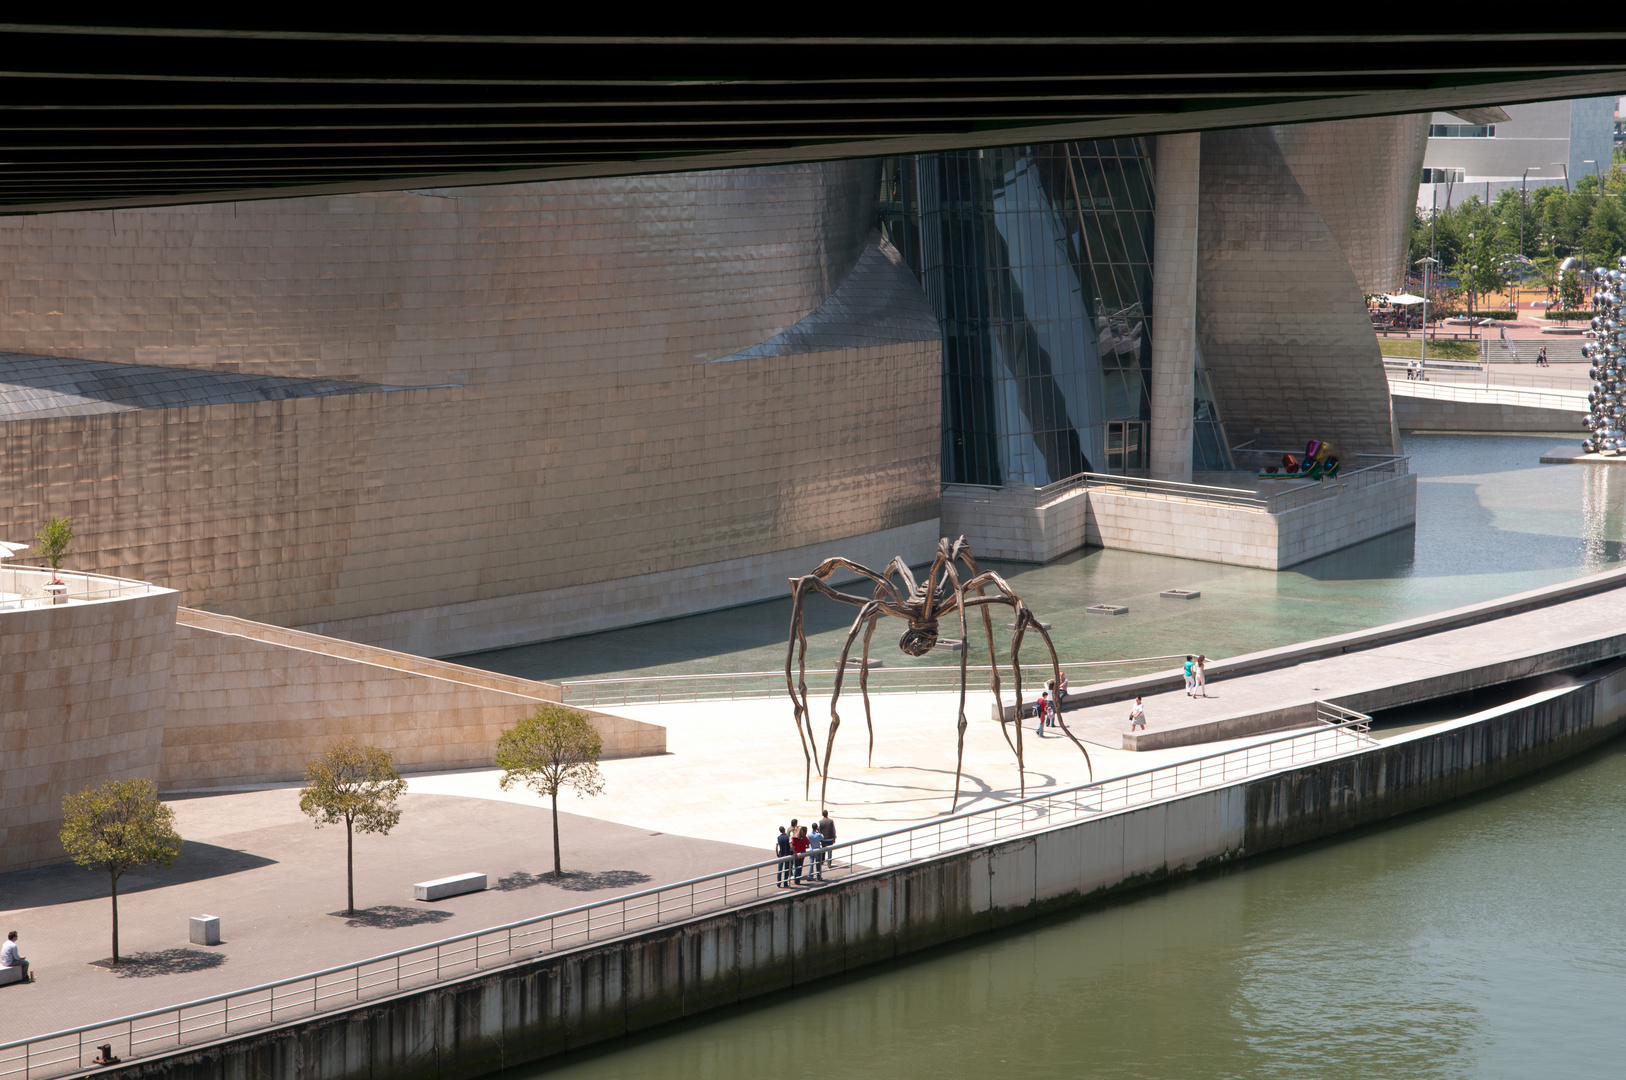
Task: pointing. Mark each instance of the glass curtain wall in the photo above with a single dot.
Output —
(1037, 260)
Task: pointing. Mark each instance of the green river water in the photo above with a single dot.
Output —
(1482, 939)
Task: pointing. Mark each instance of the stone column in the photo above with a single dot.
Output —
(1174, 305)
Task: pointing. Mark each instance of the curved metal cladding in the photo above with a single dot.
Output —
(574, 433)
(1362, 176)
(1281, 319)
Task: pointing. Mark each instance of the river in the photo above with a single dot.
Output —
(1479, 940)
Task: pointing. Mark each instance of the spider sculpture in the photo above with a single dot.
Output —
(923, 605)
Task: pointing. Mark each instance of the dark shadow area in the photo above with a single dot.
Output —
(54, 383)
(392, 917)
(593, 882)
(147, 965)
(66, 882)
(1391, 555)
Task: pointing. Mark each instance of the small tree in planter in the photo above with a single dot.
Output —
(51, 543)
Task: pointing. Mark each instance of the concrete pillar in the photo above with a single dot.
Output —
(1174, 305)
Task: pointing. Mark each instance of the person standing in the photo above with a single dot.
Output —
(815, 844)
(1191, 674)
(1061, 691)
(782, 851)
(1039, 707)
(10, 957)
(1137, 715)
(799, 846)
(827, 826)
(1202, 675)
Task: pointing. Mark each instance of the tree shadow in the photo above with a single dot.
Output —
(146, 965)
(64, 882)
(392, 917)
(573, 881)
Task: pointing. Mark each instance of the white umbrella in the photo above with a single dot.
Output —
(9, 550)
(1404, 299)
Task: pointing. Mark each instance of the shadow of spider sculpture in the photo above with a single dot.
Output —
(942, 594)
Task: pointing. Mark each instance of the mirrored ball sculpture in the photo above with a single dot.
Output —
(1605, 420)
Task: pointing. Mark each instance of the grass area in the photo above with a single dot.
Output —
(1411, 348)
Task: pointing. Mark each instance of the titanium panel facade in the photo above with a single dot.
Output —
(1362, 176)
(570, 431)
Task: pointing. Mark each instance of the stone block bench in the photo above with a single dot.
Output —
(456, 885)
(11, 974)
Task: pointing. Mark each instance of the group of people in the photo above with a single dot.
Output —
(1196, 673)
(1047, 709)
(795, 846)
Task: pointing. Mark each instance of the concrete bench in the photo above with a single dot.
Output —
(11, 974)
(456, 885)
(203, 930)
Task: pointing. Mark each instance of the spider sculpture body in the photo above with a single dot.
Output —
(953, 586)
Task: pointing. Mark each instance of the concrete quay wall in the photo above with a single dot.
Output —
(1433, 414)
(535, 1009)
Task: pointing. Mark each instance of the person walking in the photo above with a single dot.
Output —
(1039, 708)
(1191, 674)
(798, 846)
(827, 826)
(1541, 358)
(782, 850)
(1137, 715)
(1202, 676)
(815, 844)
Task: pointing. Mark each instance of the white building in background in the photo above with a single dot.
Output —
(1483, 151)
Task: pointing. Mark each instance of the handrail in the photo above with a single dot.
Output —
(1344, 727)
(734, 685)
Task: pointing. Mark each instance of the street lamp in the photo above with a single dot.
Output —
(1566, 169)
(1428, 263)
(1524, 192)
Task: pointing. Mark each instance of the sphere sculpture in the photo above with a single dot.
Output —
(1606, 417)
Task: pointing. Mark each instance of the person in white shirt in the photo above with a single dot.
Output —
(10, 957)
(1137, 716)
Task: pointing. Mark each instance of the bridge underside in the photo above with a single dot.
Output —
(139, 114)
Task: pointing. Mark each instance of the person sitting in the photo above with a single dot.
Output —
(11, 958)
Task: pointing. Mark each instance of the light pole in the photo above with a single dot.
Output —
(1566, 169)
(1428, 263)
(1524, 193)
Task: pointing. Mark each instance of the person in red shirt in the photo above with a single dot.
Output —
(799, 845)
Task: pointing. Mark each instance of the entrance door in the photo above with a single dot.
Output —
(1126, 446)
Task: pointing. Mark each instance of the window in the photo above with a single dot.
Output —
(1462, 131)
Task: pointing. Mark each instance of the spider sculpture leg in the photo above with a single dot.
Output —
(959, 750)
(1016, 676)
(1061, 717)
(867, 612)
(863, 686)
(964, 552)
(798, 687)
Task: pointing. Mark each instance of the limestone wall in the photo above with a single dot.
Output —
(82, 699)
(252, 704)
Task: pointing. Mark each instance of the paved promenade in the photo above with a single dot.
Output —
(733, 773)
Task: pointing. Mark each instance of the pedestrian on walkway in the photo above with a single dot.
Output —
(1191, 673)
(799, 845)
(1039, 708)
(815, 844)
(1052, 706)
(827, 826)
(782, 851)
(1202, 675)
(1541, 358)
(1137, 715)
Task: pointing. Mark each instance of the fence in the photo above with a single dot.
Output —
(1560, 400)
(26, 587)
(882, 680)
(1341, 731)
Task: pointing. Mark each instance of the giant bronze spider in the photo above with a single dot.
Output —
(941, 594)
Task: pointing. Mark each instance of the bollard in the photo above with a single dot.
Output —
(204, 930)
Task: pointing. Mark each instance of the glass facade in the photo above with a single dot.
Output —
(1038, 263)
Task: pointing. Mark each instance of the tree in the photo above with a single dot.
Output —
(552, 748)
(52, 541)
(356, 785)
(119, 825)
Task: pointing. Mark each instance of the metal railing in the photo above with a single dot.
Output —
(25, 587)
(172, 1027)
(1474, 375)
(1291, 498)
(1018, 495)
(1559, 400)
(733, 686)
